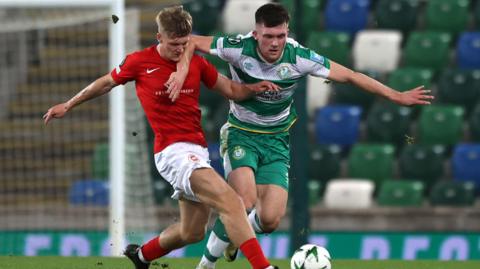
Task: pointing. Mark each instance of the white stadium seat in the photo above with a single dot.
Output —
(349, 193)
(318, 92)
(377, 50)
(239, 15)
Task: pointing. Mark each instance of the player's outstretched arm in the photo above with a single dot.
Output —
(99, 87)
(176, 80)
(237, 91)
(416, 96)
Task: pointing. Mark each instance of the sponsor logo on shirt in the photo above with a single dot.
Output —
(184, 91)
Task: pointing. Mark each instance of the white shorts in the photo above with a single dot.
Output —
(176, 163)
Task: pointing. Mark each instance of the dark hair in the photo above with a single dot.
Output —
(271, 15)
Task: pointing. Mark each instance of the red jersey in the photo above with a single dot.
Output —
(171, 122)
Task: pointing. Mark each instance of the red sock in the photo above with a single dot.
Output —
(152, 250)
(252, 251)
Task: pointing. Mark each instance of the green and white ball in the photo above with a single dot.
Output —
(311, 256)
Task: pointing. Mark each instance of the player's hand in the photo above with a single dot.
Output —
(263, 86)
(57, 111)
(174, 84)
(416, 96)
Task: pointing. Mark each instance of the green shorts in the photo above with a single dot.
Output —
(267, 154)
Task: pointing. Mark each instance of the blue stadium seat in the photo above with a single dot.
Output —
(215, 159)
(346, 15)
(466, 163)
(89, 192)
(468, 50)
(337, 124)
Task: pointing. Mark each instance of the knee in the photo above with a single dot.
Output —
(192, 236)
(270, 223)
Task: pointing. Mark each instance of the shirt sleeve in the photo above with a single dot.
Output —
(314, 64)
(228, 48)
(126, 71)
(209, 73)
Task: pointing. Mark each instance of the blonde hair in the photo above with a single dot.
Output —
(174, 21)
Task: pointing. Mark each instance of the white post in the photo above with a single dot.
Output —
(117, 109)
(117, 134)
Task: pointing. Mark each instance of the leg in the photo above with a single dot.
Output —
(271, 206)
(242, 180)
(190, 229)
(212, 190)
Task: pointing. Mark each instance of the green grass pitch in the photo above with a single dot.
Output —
(16, 262)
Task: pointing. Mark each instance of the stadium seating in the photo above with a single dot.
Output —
(466, 163)
(474, 123)
(311, 15)
(348, 94)
(318, 92)
(377, 50)
(89, 192)
(324, 162)
(459, 87)
(397, 14)
(401, 193)
(447, 15)
(336, 124)
(477, 15)
(215, 159)
(441, 124)
(371, 161)
(349, 193)
(346, 15)
(205, 14)
(238, 16)
(333, 45)
(407, 78)
(388, 123)
(314, 191)
(452, 193)
(468, 50)
(427, 50)
(100, 161)
(422, 162)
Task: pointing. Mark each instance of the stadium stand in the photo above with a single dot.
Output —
(377, 50)
(349, 193)
(447, 15)
(388, 123)
(339, 125)
(397, 14)
(374, 162)
(401, 193)
(346, 15)
(427, 58)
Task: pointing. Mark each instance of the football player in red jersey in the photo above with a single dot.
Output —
(180, 149)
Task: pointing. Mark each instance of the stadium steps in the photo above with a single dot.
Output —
(90, 70)
(77, 36)
(34, 129)
(37, 90)
(65, 53)
(36, 109)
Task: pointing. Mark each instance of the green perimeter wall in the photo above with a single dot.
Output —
(342, 245)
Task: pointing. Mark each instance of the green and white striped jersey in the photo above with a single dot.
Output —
(268, 112)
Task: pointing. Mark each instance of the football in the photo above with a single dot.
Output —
(311, 256)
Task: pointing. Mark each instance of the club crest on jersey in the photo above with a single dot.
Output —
(193, 158)
(284, 71)
(238, 153)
